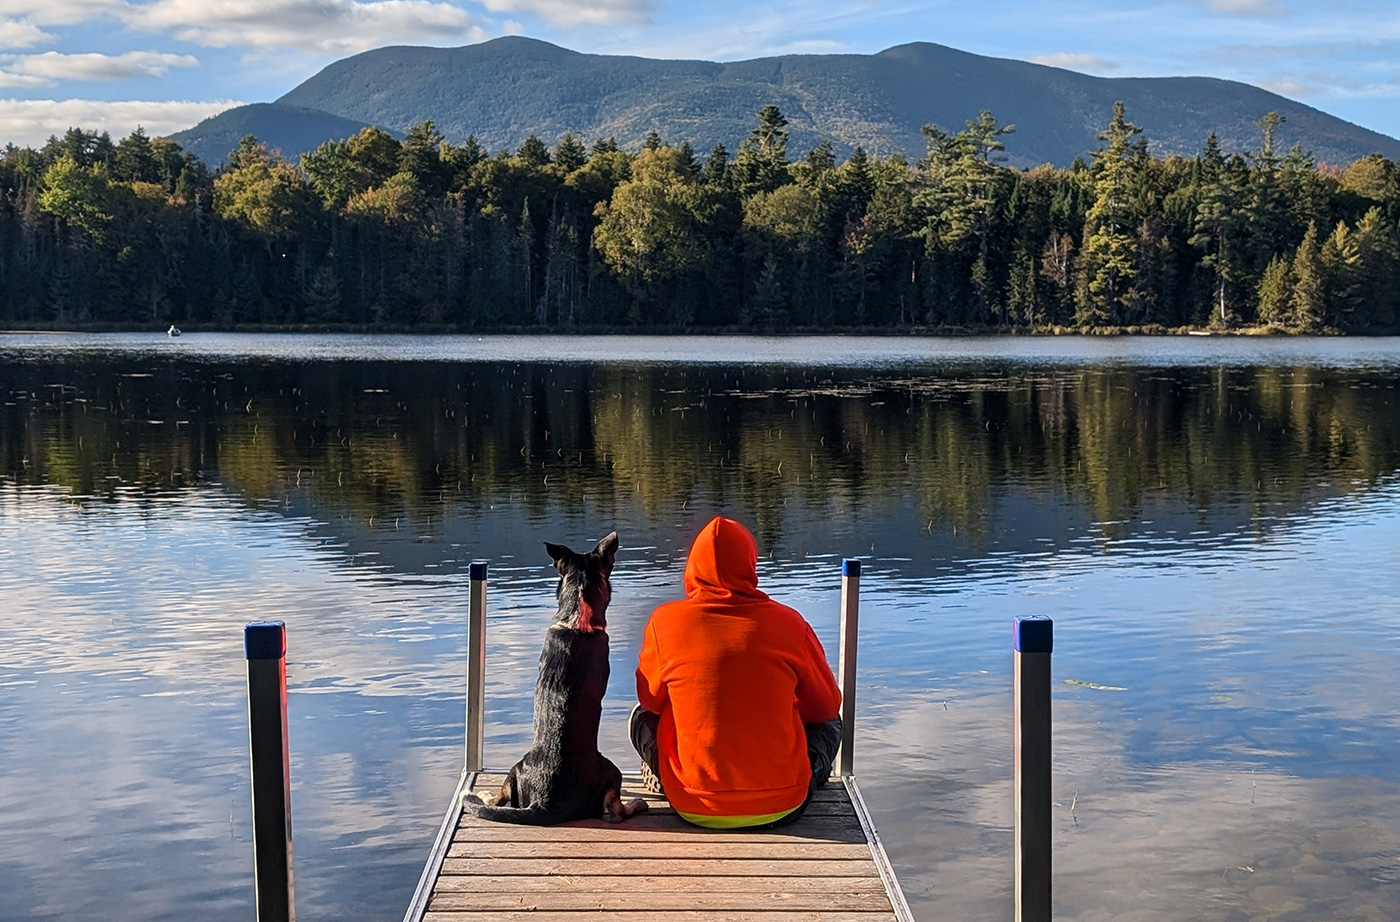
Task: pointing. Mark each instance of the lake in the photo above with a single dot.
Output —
(1213, 523)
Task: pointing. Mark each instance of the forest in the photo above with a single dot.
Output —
(424, 233)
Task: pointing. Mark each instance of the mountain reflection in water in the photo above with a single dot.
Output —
(1217, 544)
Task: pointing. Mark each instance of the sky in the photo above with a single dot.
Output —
(166, 64)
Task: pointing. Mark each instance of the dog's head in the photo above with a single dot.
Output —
(584, 588)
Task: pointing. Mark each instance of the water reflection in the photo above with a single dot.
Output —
(1215, 539)
(935, 464)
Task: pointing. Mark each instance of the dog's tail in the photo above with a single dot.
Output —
(533, 815)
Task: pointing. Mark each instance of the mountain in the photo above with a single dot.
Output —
(504, 90)
(290, 129)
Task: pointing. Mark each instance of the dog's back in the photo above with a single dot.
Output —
(563, 776)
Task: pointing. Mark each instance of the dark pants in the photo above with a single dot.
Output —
(823, 740)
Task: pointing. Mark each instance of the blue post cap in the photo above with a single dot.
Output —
(1034, 634)
(265, 639)
(477, 569)
(850, 566)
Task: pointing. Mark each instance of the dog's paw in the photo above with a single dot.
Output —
(637, 805)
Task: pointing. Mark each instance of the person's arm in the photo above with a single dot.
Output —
(651, 690)
(818, 697)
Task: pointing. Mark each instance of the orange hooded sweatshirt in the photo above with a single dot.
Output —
(734, 675)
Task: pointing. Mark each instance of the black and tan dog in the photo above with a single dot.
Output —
(564, 777)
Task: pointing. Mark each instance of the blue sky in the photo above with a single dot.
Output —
(167, 63)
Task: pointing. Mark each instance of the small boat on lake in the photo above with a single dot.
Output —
(173, 331)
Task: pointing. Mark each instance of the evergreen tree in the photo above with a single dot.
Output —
(1275, 292)
(1309, 302)
(762, 164)
(1377, 272)
(1340, 258)
(533, 152)
(960, 202)
(1022, 300)
(715, 172)
(1218, 227)
(1266, 217)
(420, 156)
(1108, 258)
(569, 153)
(135, 161)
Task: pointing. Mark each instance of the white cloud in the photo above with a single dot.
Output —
(320, 26)
(577, 12)
(7, 79)
(51, 66)
(33, 121)
(57, 12)
(1247, 7)
(1069, 61)
(14, 34)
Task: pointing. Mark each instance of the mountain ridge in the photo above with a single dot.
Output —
(506, 89)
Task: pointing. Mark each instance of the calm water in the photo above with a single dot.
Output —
(1213, 524)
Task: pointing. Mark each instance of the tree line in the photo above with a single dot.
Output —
(422, 231)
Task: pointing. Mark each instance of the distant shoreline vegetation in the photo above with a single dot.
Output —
(373, 233)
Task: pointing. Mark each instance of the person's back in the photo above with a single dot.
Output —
(732, 677)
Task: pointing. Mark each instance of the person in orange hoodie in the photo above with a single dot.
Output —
(738, 712)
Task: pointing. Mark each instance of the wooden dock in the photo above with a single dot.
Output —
(829, 866)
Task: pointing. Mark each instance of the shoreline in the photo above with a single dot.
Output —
(592, 331)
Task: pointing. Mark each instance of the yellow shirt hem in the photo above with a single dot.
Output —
(732, 822)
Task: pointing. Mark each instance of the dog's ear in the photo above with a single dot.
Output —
(559, 554)
(607, 549)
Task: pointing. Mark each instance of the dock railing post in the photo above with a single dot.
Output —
(1034, 641)
(476, 666)
(846, 664)
(265, 643)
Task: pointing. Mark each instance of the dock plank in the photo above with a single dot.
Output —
(676, 851)
(639, 900)
(658, 868)
(671, 867)
(573, 882)
(752, 915)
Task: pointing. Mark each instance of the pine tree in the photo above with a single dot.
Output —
(1108, 258)
(762, 164)
(960, 200)
(533, 152)
(1377, 271)
(1021, 299)
(1275, 292)
(134, 160)
(421, 157)
(1218, 227)
(569, 153)
(1267, 211)
(1308, 304)
(715, 172)
(1340, 258)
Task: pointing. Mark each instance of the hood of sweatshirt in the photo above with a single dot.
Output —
(723, 562)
